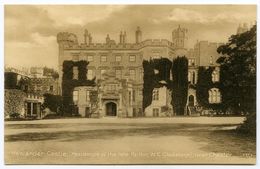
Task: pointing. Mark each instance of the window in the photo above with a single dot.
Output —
(214, 96)
(141, 73)
(133, 95)
(102, 72)
(129, 97)
(87, 95)
(132, 58)
(155, 112)
(111, 87)
(75, 57)
(118, 58)
(140, 92)
(90, 74)
(156, 56)
(215, 76)
(118, 73)
(103, 58)
(193, 78)
(211, 60)
(156, 94)
(51, 88)
(132, 74)
(75, 72)
(90, 58)
(189, 76)
(191, 62)
(75, 96)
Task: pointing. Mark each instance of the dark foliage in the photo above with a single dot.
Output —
(238, 72)
(180, 84)
(50, 72)
(204, 84)
(68, 83)
(153, 80)
(53, 102)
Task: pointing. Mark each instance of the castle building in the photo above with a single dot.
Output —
(117, 68)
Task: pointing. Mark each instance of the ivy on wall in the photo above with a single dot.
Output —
(68, 83)
(204, 84)
(180, 84)
(153, 79)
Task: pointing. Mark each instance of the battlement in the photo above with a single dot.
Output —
(148, 42)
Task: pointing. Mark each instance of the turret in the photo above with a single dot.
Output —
(138, 35)
(179, 37)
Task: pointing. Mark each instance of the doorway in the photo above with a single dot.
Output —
(111, 109)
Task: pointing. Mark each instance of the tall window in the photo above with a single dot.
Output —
(215, 76)
(103, 58)
(133, 95)
(87, 95)
(132, 58)
(90, 74)
(51, 88)
(102, 72)
(129, 97)
(118, 58)
(189, 76)
(75, 72)
(155, 112)
(193, 78)
(75, 96)
(90, 58)
(118, 73)
(155, 94)
(214, 96)
(132, 74)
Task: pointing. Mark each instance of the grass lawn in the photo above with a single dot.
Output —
(196, 140)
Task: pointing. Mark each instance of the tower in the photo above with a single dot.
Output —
(179, 37)
(138, 35)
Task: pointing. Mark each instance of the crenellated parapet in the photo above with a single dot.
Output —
(126, 46)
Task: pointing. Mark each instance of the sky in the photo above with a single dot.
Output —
(31, 30)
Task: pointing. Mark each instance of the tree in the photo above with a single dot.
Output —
(238, 71)
(53, 102)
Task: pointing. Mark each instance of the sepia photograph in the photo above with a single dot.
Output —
(130, 84)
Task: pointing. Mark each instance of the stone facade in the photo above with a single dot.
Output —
(118, 69)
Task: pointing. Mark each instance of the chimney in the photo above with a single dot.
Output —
(138, 35)
(124, 37)
(90, 39)
(86, 37)
(107, 39)
(121, 38)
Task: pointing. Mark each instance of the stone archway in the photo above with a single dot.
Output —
(111, 109)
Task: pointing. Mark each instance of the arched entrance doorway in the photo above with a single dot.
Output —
(191, 100)
(111, 109)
